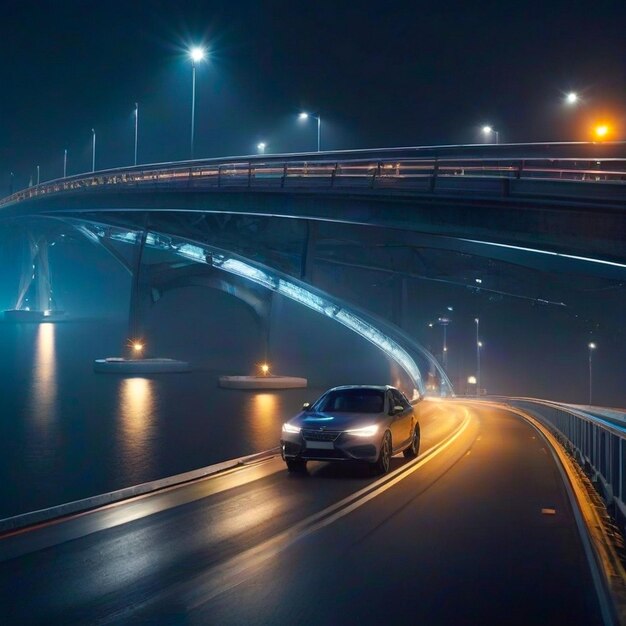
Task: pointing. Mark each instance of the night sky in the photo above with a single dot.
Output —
(380, 74)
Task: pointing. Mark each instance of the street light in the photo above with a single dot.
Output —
(196, 54)
(592, 347)
(601, 131)
(136, 128)
(479, 345)
(305, 116)
(572, 98)
(444, 321)
(65, 163)
(261, 147)
(38, 174)
(487, 130)
(93, 150)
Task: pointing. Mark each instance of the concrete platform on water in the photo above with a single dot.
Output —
(24, 315)
(262, 382)
(119, 365)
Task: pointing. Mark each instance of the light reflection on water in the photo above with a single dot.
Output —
(44, 381)
(136, 408)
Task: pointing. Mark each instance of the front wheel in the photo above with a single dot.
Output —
(382, 465)
(295, 465)
(414, 446)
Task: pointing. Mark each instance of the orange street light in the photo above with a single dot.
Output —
(601, 131)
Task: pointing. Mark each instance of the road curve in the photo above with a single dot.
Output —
(478, 530)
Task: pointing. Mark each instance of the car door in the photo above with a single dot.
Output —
(395, 421)
(404, 420)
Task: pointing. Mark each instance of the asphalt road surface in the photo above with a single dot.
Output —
(477, 530)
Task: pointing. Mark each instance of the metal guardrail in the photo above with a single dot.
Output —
(599, 443)
(393, 169)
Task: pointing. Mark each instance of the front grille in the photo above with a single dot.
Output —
(320, 435)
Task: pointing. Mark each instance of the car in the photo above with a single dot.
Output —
(360, 423)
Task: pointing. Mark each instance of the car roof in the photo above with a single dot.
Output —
(376, 387)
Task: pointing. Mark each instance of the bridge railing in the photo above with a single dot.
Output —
(427, 175)
(598, 441)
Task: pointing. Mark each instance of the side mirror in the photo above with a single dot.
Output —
(306, 406)
(397, 409)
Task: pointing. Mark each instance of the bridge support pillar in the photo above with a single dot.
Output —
(35, 300)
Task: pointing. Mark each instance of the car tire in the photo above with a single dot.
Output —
(382, 465)
(414, 447)
(296, 466)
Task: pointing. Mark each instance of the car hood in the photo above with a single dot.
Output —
(336, 421)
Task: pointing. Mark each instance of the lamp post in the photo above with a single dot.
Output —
(488, 130)
(305, 116)
(261, 147)
(444, 321)
(136, 128)
(478, 347)
(592, 347)
(93, 150)
(11, 181)
(196, 54)
(38, 174)
(65, 163)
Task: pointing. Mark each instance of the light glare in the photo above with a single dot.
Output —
(197, 54)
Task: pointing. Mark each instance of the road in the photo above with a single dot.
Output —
(478, 530)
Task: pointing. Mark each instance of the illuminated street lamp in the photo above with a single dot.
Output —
(93, 150)
(601, 131)
(136, 128)
(479, 345)
(572, 98)
(305, 116)
(592, 347)
(261, 147)
(65, 163)
(444, 321)
(265, 369)
(488, 130)
(196, 54)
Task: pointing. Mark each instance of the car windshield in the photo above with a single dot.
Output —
(352, 401)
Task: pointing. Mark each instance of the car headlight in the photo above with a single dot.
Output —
(366, 431)
(288, 428)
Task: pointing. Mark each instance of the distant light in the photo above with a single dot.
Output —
(430, 324)
(480, 344)
(47, 312)
(476, 320)
(265, 369)
(450, 308)
(571, 97)
(303, 116)
(479, 281)
(261, 146)
(197, 54)
(137, 347)
(592, 346)
(601, 131)
(472, 380)
(487, 130)
(445, 348)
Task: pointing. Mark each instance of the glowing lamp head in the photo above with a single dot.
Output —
(261, 146)
(487, 130)
(471, 380)
(265, 369)
(592, 346)
(601, 131)
(197, 54)
(571, 97)
(303, 116)
(137, 346)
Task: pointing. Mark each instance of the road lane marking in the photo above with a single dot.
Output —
(548, 511)
(239, 568)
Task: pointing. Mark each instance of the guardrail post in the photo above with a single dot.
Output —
(433, 176)
(334, 175)
(376, 174)
(284, 178)
(219, 175)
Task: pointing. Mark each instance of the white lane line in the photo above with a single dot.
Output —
(233, 572)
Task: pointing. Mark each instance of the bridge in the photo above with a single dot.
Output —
(492, 519)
